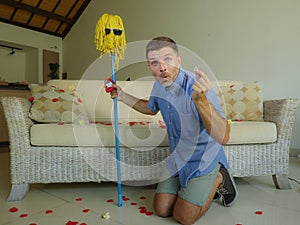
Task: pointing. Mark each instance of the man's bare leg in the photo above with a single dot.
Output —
(187, 213)
(164, 204)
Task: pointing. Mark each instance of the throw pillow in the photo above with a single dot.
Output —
(242, 101)
(51, 104)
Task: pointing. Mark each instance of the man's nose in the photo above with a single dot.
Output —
(162, 66)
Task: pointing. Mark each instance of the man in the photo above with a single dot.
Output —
(196, 130)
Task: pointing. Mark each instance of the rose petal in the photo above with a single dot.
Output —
(143, 210)
(13, 209)
(133, 203)
(49, 211)
(149, 213)
(31, 99)
(78, 199)
(83, 224)
(110, 200)
(142, 207)
(32, 224)
(85, 210)
(142, 197)
(259, 212)
(23, 215)
(72, 222)
(54, 99)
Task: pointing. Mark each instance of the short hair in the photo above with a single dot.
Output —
(161, 42)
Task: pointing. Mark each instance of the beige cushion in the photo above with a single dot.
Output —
(98, 103)
(52, 104)
(241, 101)
(131, 135)
(250, 132)
(137, 135)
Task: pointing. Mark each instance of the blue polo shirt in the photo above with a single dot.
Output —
(193, 152)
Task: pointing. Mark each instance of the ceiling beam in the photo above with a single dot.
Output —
(30, 27)
(76, 16)
(32, 9)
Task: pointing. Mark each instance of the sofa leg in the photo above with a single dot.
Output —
(281, 181)
(18, 192)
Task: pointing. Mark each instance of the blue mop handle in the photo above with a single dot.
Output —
(116, 125)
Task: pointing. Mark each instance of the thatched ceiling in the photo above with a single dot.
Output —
(55, 17)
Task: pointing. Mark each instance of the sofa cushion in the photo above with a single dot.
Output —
(52, 104)
(241, 101)
(98, 103)
(251, 132)
(133, 134)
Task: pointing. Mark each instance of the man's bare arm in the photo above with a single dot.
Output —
(140, 105)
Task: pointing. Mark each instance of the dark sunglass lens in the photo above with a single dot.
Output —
(117, 32)
(107, 31)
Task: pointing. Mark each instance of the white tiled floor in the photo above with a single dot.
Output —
(278, 207)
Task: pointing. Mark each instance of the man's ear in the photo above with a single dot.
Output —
(179, 59)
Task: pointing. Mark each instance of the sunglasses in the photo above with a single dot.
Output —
(117, 32)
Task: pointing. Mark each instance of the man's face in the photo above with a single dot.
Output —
(164, 65)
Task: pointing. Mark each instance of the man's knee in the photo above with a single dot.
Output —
(163, 204)
(185, 219)
(186, 213)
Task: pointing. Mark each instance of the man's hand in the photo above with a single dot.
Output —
(201, 86)
(117, 93)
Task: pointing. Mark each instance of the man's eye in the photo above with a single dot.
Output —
(154, 63)
(168, 60)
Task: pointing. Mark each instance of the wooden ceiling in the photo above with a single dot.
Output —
(54, 17)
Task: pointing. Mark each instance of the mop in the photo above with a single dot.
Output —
(110, 38)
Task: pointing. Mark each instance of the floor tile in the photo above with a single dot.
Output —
(259, 203)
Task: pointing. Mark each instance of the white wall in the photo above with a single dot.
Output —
(238, 39)
(33, 43)
(12, 66)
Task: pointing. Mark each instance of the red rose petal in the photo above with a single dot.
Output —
(79, 100)
(149, 213)
(86, 210)
(78, 199)
(31, 99)
(110, 200)
(142, 207)
(133, 203)
(32, 224)
(72, 222)
(54, 99)
(143, 210)
(13, 209)
(126, 199)
(239, 224)
(142, 197)
(49, 211)
(83, 224)
(259, 212)
(23, 215)
(61, 90)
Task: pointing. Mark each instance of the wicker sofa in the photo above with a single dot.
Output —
(141, 159)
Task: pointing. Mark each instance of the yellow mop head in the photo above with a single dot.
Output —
(110, 36)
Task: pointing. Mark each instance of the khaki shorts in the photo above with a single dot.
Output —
(196, 191)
